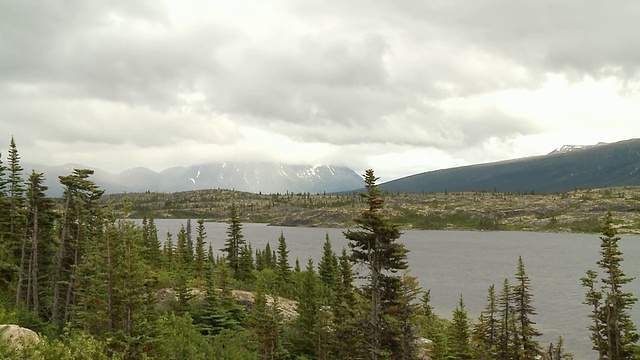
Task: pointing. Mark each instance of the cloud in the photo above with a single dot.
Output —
(415, 84)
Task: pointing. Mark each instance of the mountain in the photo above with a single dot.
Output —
(243, 176)
(567, 168)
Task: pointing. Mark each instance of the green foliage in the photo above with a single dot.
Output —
(175, 337)
(459, 334)
(613, 333)
(457, 220)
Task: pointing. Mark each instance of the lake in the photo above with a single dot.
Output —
(451, 263)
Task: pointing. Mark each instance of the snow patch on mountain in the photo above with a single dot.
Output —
(565, 149)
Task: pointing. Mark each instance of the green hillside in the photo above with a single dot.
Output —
(609, 165)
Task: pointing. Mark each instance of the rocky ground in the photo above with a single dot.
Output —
(574, 211)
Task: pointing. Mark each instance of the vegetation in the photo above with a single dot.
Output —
(573, 211)
(95, 285)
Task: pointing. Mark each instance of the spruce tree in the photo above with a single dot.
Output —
(305, 325)
(235, 240)
(328, 265)
(200, 252)
(374, 245)
(524, 310)
(506, 347)
(458, 337)
(614, 334)
(283, 269)
(486, 332)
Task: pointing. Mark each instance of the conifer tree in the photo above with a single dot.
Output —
(15, 197)
(81, 217)
(458, 337)
(283, 269)
(168, 251)
(523, 310)
(306, 324)
(246, 265)
(613, 333)
(557, 352)
(39, 242)
(486, 332)
(328, 265)
(506, 348)
(200, 255)
(235, 240)
(375, 246)
(266, 325)
(181, 273)
(406, 312)
(593, 299)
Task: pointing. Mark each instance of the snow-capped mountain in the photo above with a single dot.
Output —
(564, 149)
(243, 176)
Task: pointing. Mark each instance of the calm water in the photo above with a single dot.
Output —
(451, 263)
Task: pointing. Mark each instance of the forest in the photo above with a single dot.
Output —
(94, 284)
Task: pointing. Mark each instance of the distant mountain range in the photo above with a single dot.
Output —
(243, 176)
(567, 168)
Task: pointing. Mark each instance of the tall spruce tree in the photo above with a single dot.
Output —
(39, 243)
(283, 269)
(200, 252)
(486, 332)
(524, 310)
(82, 218)
(328, 265)
(458, 335)
(374, 245)
(235, 240)
(614, 334)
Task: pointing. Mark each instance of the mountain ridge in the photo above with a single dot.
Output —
(597, 166)
(243, 176)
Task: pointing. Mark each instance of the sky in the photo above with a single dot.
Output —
(400, 86)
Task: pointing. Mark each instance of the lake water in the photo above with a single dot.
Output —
(451, 263)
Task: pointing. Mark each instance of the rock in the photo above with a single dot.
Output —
(425, 346)
(17, 336)
(287, 306)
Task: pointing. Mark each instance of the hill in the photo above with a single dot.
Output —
(243, 176)
(605, 165)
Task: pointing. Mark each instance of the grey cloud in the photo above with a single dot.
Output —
(587, 36)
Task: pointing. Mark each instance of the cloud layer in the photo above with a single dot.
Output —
(402, 86)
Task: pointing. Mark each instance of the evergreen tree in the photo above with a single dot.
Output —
(486, 332)
(593, 299)
(200, 255)
(328, 265)
(458, 339)
(168, 251)
(507, 348)
(39, 243)
(375, 246)
(245, 265)
(189, 242)
(306, 324)
(15, 197)
(283, 269)
(235, 240)
(613, 333)
(406, 312)
(523, 310)
(81, 219)
(266, 325)
(181, 273)
(557, 352)
(348, 331)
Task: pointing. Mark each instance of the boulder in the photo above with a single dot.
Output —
(17, 336)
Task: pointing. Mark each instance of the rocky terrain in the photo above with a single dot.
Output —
(573, 211)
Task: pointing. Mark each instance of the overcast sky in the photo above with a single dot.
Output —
(400, 86)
